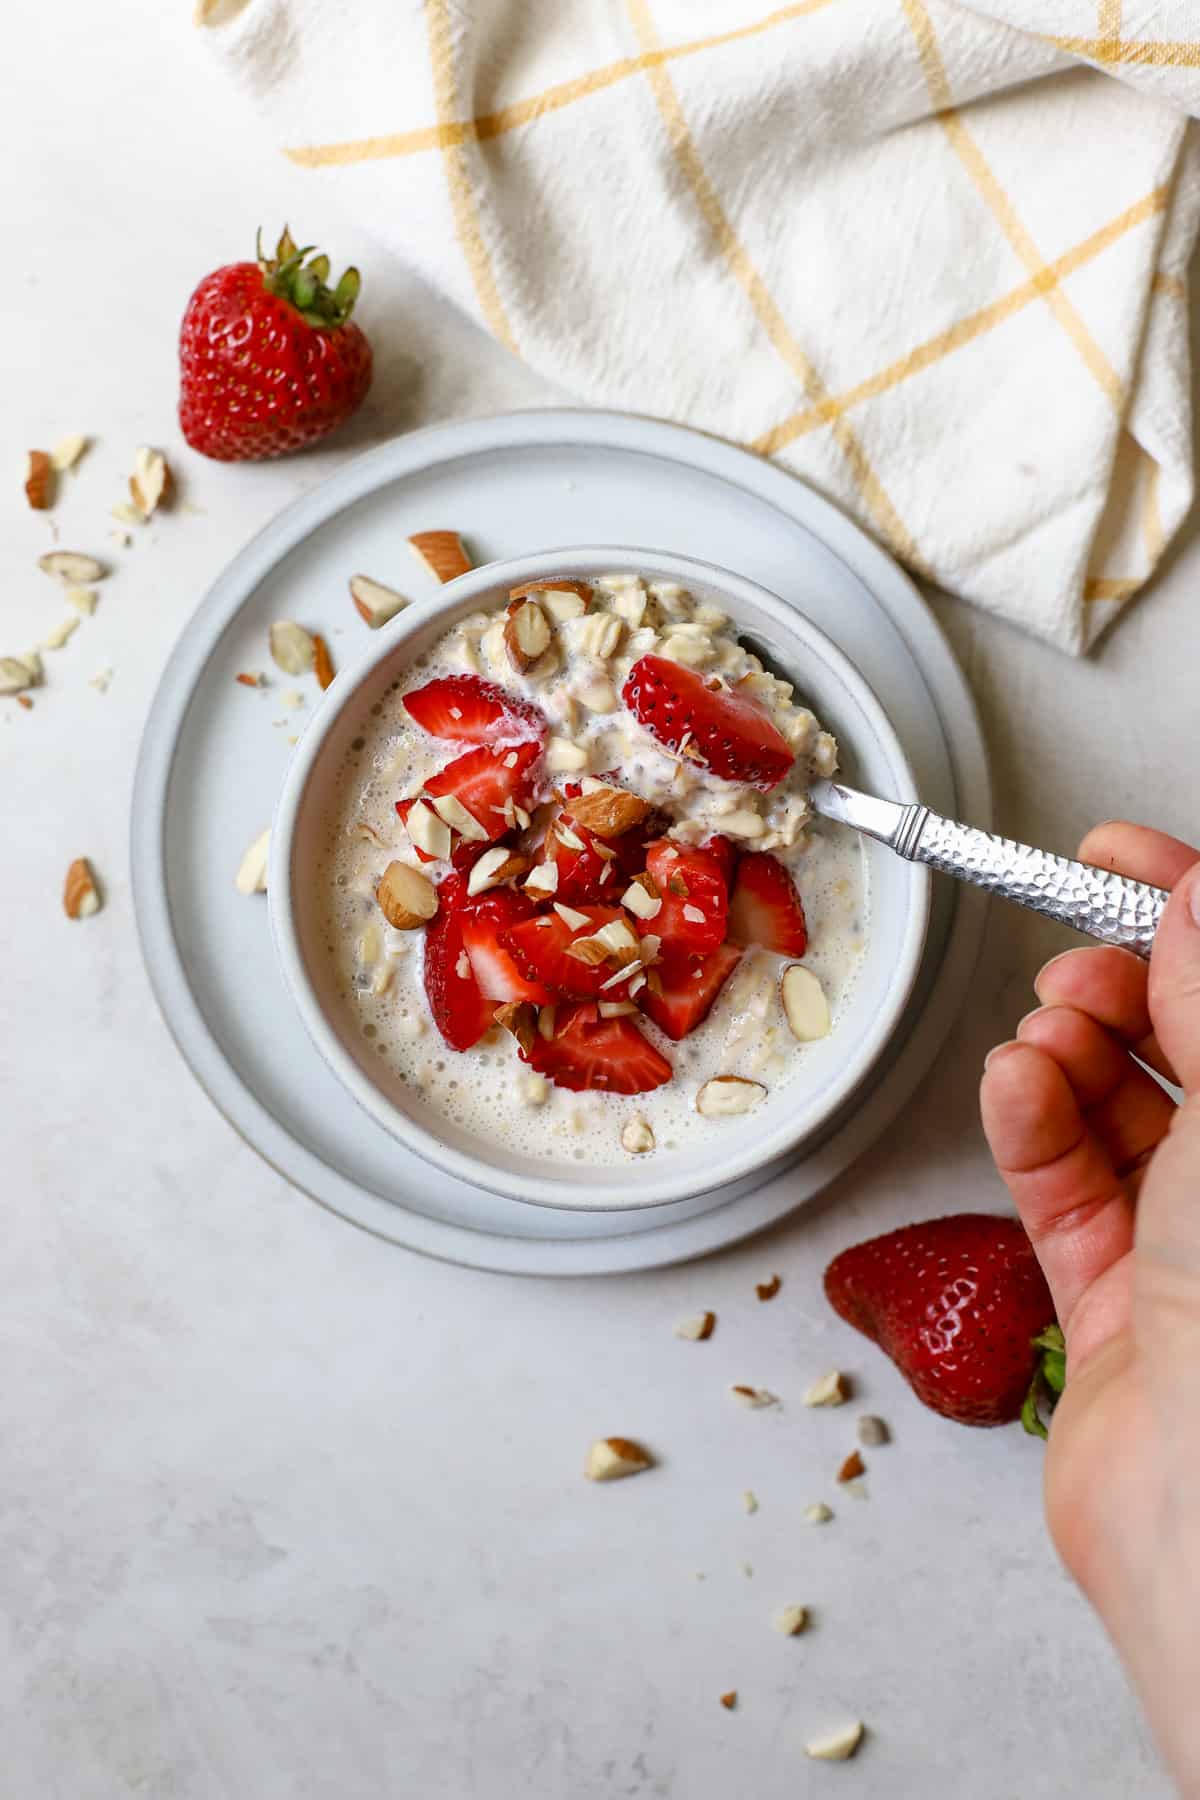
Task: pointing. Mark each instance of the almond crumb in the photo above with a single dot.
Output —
(698, 1328)
(251, 877)
(852, 1468)
(729, 1700)
(81, 896)
(818, 1514)
(247, 680)
(790, 1621)
(442, 553)
(872, 1431)
(67, 452)
(611, 1459)
(767, 1290)
(322, 661)
(829, 1390)
(836, 1746)
(749, 1501)
(752, 1396)
(39, 480)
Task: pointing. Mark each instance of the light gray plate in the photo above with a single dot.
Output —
(212, 761)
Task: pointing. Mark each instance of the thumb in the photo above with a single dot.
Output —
(1174, 990)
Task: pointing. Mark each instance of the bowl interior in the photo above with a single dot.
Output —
(791, 1116)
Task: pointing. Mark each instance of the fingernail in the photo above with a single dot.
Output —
(999, 1050)
(1045, 970)
(1194, 896)
(1029, 1015)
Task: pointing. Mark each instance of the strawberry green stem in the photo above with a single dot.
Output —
(1049, 1379)
(300, 278)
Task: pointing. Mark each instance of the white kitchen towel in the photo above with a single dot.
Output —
(933, 257)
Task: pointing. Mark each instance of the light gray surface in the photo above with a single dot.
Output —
(286, 1513)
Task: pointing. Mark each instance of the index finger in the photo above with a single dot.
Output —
(1139, 852)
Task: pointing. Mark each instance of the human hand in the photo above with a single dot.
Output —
(1104, 1168)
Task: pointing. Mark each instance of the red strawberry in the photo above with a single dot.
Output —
(956, 1303)
(471, 711)
(460, 1011)
(583, 875)
(695, 904)
(539, 947)
(587, 1051)
(724, 853)
(496, 974)
(484, 779)
(765, 907)
(687, 986)
(732, 736)
(268, 358)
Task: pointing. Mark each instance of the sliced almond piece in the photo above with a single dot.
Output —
(39, 480)
(150, 483)
(617, 1009)
(519, 1019)
(589, 951)
(67, 452)
(697, 1329)
(450, 808)
(830, 1390)
(636, 1134)
(81, 896)
(18, 673)
(57, 637)
(374, 603)
(322, 662)
(251, 877)
(561, 587)
(407, 899)
(72, 567)
(83, 600)
(804, 1004)
(872, 1431)
(753, 1397)
(428, 832)
(292, 648)
(852, 1468)
(610, 1459)
(790, 1621)
(609, 811)
(642, 898)
(442, 553)
(727, 1096)
(571, 840)
(526, 634)
(575, 921)
(818, 1514)
(495, 865)
(836, 1746)
(542, 879)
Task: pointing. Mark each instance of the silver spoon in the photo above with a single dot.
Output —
(1103, 905)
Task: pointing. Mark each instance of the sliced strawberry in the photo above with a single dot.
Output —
(722, 849)
(694, 901)
(539, 947)
(496, 974)
(581, 872)
(687, 986)
(484, 779)
(471, 711)
(765, 908)
(732, 736)
(589, 1052)
(460, 1012)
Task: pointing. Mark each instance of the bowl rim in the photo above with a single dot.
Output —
(654, 1189)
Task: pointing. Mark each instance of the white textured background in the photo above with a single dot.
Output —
(286, 1512)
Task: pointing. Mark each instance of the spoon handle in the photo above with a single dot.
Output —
(1101, 904)
(1098, 902)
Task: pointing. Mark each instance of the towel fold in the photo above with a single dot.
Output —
(932, 257)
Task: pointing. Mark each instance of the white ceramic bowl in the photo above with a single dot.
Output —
(833, 1069)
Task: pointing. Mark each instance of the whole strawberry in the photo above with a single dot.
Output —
(962, 1308)
(268, 358)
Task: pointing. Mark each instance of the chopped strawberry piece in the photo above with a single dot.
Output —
(581, 872)
(687, 986)
(460, 1012)
(471, 711)
(722, 849)
(695, 904)
(730, 734)
(484, 919)
(588, 1052)
(765, 908)
(539, 947)
(484, 779)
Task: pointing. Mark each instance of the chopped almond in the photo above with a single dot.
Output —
(552, 584)
(442, 553)
(852, 1468)
(322, 661)
(610, 1459)
(39, 480)
(518, 1018)
(374, 603)
(767, 1290)
(248, 680)
(292, 648)
(608, 812)
(81, 896)
(407, 899)
(729, 1700)
(72, 567)
(829, 1390)
(526, 635)
(698, 1328)
(150, 484)
(753, 1397)
(67, 452)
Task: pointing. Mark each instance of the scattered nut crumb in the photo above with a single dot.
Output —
(72, 567)
(830, 1390)
(122, 539)
(292, 647)
(322, 662)
(39, 480)
(637, 1136)
(251, 877)
(836, 1746)
(292, 698)
(249, 680)
(374, 603)
(58, 635)
(442, 553)
(729, 1700)
(101, 680)
(697, 1328)
(81, 896)
(150, 484)
(753, 1397)
(819, 1514)
(852, 1468)
(534, 1089)
(24, 701)
(67, 452)
(872, 1431)
(790, 1621)
(749, 1501)
(19, 672)
(125, 514)
(82, 599)
(767, 1290)
(610, 1459)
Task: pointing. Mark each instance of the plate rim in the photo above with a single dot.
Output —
(674, 1240)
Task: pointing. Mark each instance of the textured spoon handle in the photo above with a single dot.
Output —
(1109, 907)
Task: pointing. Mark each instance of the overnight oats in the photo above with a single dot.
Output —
(576, 898)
